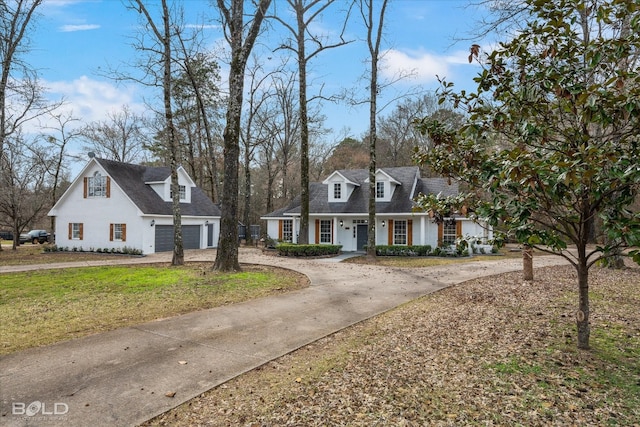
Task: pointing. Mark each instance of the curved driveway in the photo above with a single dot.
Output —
(121, 378)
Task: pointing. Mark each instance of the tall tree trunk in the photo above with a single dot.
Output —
(178, 248)
(164, 38)
(304, 130)
(247, 193)
(227, 256)
(233, 17)
(374, 50)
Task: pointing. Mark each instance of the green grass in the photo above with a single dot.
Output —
(43, 307)
(28, 254)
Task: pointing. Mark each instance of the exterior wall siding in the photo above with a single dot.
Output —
(96, 214)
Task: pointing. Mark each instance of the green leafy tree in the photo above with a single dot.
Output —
(552, 138)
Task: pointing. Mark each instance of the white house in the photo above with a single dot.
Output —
(112, 205)
(338, 212)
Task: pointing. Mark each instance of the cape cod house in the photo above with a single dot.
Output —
(338, 211)
(114, 205)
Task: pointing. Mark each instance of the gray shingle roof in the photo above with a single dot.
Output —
(358, 203)
(132, 178)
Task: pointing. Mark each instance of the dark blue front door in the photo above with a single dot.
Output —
(361, 236)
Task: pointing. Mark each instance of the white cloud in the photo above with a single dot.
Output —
(92, 100)
(81, 27)
(420, 66)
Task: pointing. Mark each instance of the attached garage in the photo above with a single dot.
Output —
(164, 237)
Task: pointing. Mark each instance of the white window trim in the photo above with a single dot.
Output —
(95, 190)
(324, 233)
(75, 231)
(397, 235)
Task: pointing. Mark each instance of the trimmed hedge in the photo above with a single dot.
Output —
(290, 249)
(394, 250)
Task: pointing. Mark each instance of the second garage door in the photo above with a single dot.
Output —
(164, 237)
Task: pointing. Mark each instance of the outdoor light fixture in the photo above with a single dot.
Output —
(341, 223)
(383, 223)
(153, 222)
(206, 223)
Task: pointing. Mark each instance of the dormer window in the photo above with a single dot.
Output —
(337, 190)
(182, 190)
(379, 190)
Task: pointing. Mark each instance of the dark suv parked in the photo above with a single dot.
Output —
(35, 236)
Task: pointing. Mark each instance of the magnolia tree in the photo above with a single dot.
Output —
(552, 139)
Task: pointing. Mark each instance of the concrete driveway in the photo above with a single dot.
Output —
(121, 378)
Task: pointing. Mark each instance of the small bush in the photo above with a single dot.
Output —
(290, 249)
(396, 250)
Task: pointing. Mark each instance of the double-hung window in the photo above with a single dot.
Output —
(400, 232)
(379, 190)
(182, 189)
(75, 231)
(287, 230)
(337, 191)
(449, 233)
(325, 231)
(118, 232)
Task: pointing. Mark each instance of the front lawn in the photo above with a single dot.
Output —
(43, 307)
(489, 352)
(28, 254)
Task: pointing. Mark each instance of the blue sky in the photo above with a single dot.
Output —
(74, 41)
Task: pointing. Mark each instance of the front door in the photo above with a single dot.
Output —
(361, 236)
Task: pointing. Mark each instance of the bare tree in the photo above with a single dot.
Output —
(198, 94)
(59, 136)
(121, 138)
(241, 43)
(162, 46)
(374, 38)
(17, 79)
(397, 134)
(256, 131)
(306, 11)
(23, 199)
(266, 156)
(286, 126)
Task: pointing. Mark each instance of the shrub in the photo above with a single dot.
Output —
(290, 249)
(396, 250)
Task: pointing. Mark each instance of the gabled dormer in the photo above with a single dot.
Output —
(385, 186)
(163, 187)
(339, 187)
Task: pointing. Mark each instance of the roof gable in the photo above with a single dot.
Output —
(134, 181)
(407, 184)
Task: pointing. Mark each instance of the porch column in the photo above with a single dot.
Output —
(334, 239)
(423, 230)
(294, 230)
